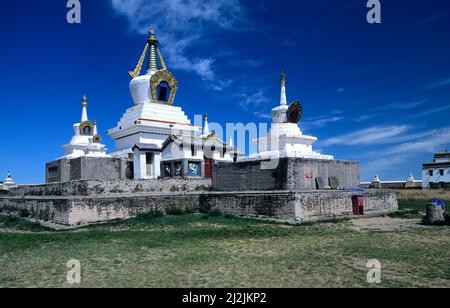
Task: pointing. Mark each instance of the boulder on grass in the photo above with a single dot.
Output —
(435, 214)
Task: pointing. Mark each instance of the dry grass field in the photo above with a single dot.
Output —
(418, 194)
(203, 251)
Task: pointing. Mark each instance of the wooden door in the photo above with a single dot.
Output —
(208, 168)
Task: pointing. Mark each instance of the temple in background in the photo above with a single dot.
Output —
(153, 139)
(162, 161)
(437, 173)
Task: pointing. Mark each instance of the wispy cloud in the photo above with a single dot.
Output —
(249, 101)
(182, 24)
(378, 166)
(439, 84)
(343, 90)
(368, 136)
(432, 18)
(319, 122)
(262, 115)
(401, 105)
(222, 85)
(430, 143)
(431, 111)
(395, 106)
(365, 117)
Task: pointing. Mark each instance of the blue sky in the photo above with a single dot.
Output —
(375, 93)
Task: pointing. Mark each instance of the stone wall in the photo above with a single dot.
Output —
(57, 171)
(285, 205)
(320, 205)
(290, 174)
(302, 173)
(112, 187)
(88, 168)
(248, 175)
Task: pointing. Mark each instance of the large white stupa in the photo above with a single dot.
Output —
(153, 116)
(285, 138)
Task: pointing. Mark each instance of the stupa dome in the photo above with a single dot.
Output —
(140, 89)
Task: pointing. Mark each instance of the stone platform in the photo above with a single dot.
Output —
(112, 187)
(297, 174)
(300, 206)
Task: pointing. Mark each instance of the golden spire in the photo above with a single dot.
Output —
(138, 68)
(84, 102)
(161, 60)
(152, 41)
(283, 78)
(154, 54)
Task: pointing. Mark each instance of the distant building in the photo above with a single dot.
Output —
(437, 173)
(377, 183)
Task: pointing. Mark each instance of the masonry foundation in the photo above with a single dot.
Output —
(286, 205)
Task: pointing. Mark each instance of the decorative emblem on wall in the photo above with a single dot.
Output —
(178, 169)
(294, 113)
(157, 79)
(194, 169)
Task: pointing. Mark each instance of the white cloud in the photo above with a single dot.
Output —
(221, 85)
(429, 143)
(343, 90)
(432, 18)
(249, 101)
(320, 122)
(431, 111)
(180, 25)
(378, 166)
(401, 105)
(368, 136)
(262, 115)
(439, 84)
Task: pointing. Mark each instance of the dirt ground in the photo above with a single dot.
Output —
(384, 224)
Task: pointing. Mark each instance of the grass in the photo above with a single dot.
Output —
(413, 203)
(208, 251)
(425, 194)
(417, 207)
(19, 224)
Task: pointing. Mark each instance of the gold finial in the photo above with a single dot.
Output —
(152, 40)
(283, 78)
(84, 102)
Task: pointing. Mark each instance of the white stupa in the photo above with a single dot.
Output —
(8, 183)
(86, 140)
(285, 138)
(153, 116)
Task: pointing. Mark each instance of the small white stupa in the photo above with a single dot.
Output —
(86, 140)
(285, 138)
(8, 183)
